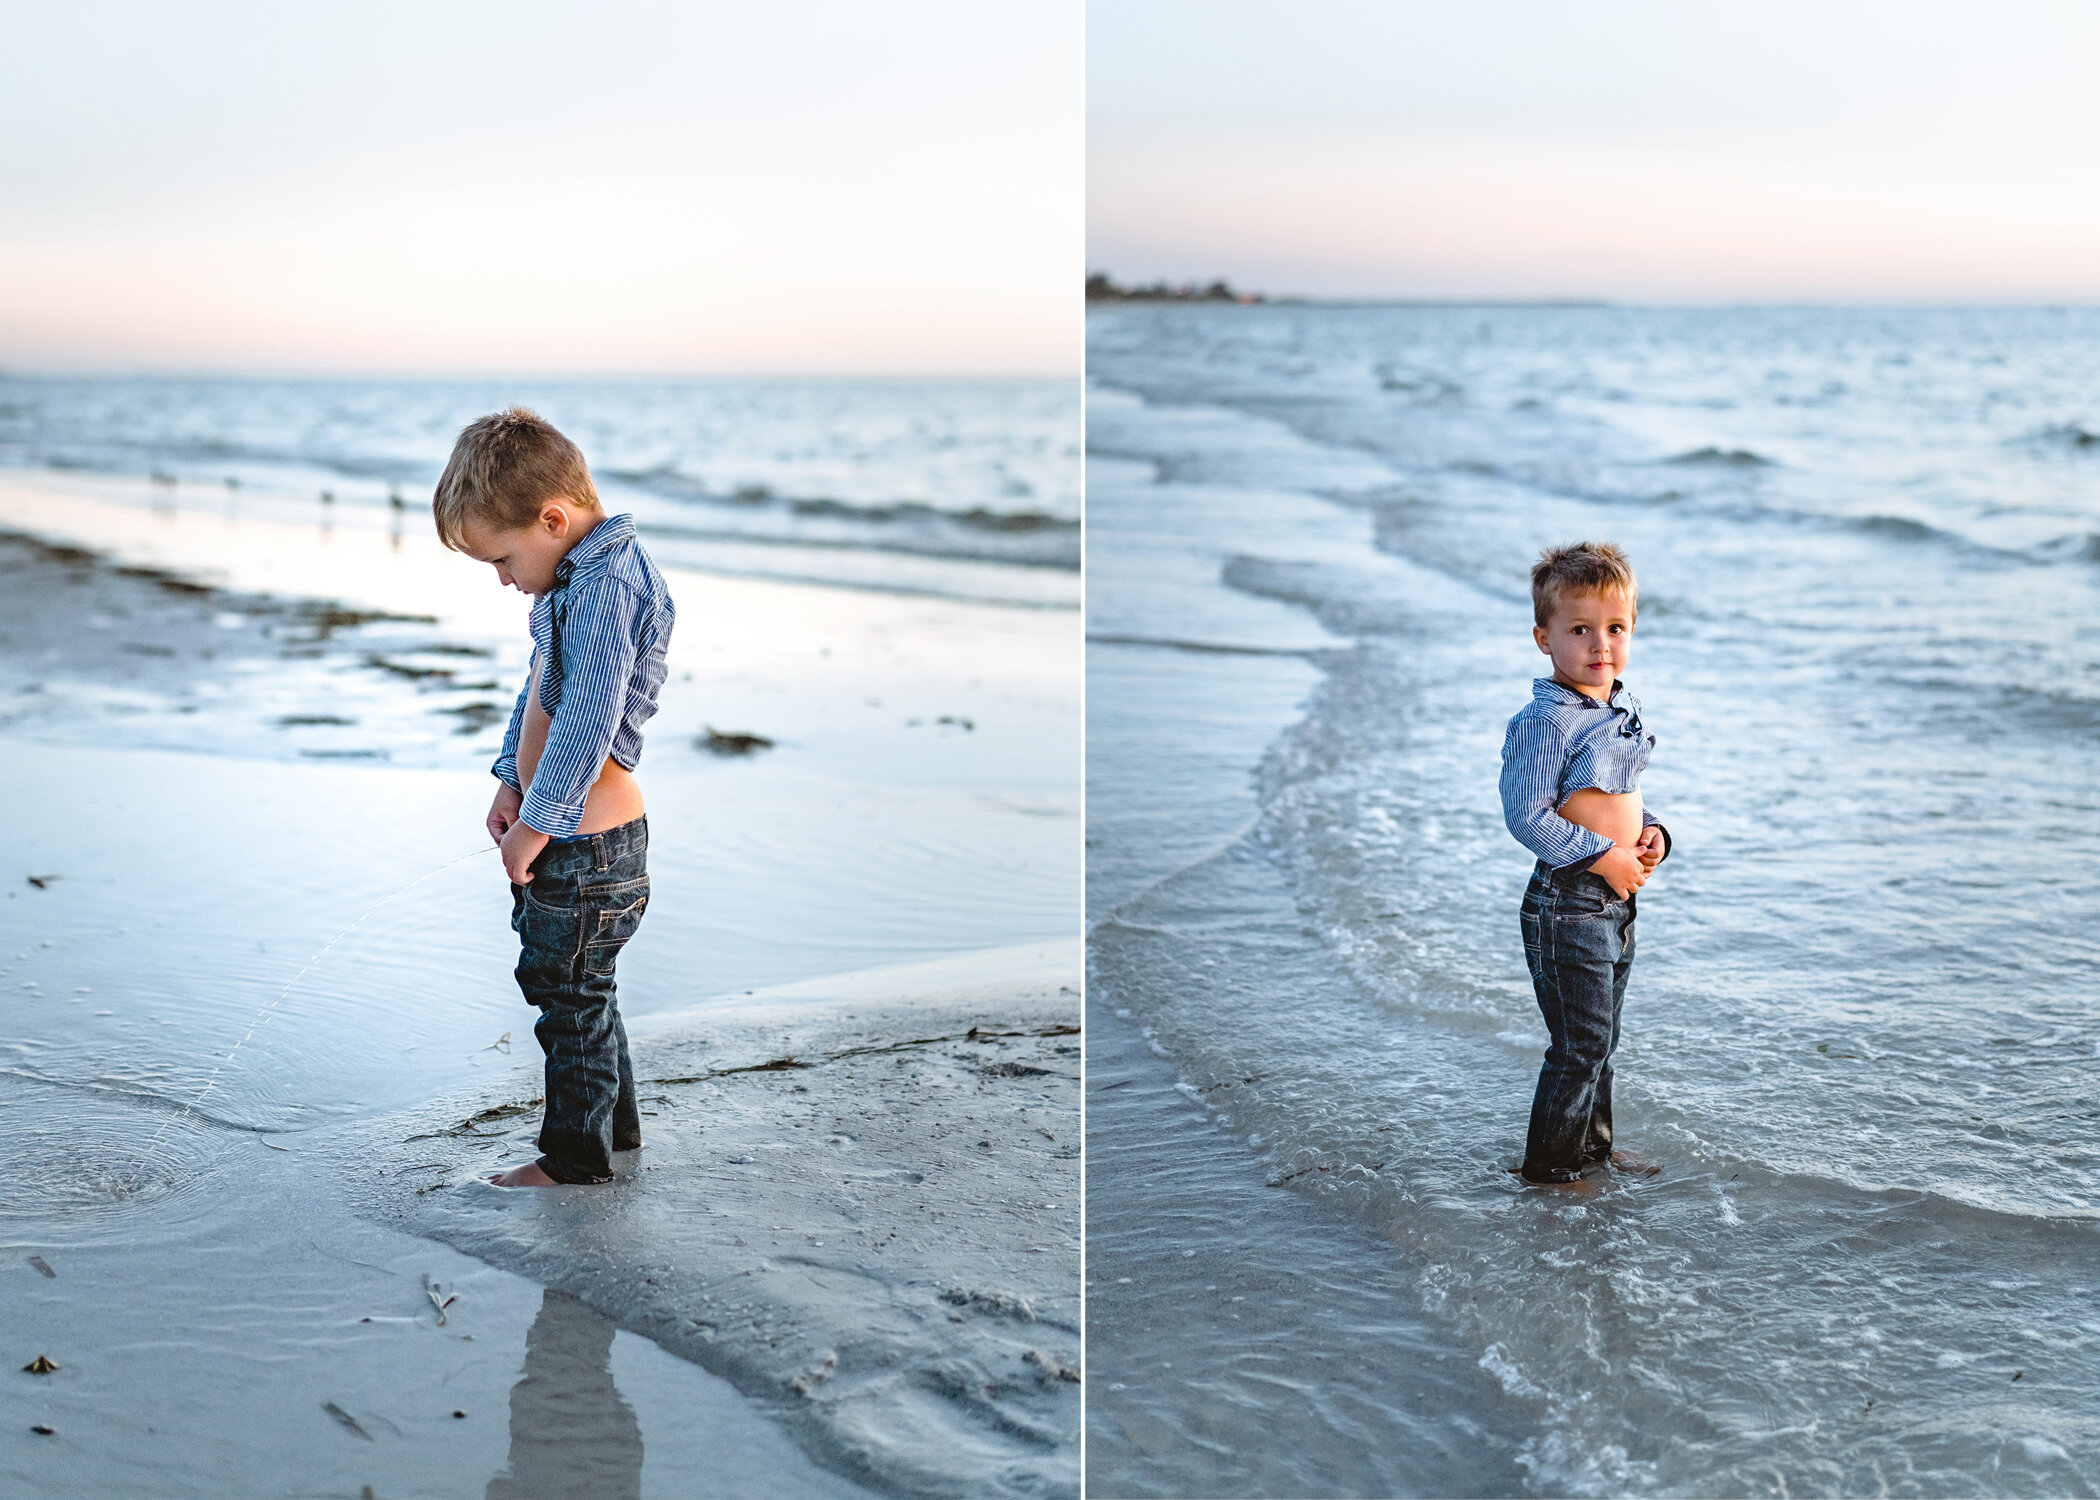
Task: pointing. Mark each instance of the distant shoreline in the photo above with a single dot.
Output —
(1102, 288)
(1196, 293)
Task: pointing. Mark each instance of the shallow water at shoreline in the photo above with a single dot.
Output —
(1859, 1036)
(272, 1305)
(1220, 1301)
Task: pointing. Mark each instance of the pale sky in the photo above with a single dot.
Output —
(795, 186)
(1636, 150)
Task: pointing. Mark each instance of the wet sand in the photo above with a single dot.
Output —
(856, 1201)
(188, 1092)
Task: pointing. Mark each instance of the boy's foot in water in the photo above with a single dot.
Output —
(1633, 1166)
(528, 1175)
(1585, 1186)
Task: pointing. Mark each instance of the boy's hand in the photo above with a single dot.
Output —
(1650, 848)
(1619, 867)
(521, 846)
(503, 812)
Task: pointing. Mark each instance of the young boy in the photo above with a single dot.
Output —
(518, 496)
(1571, 772)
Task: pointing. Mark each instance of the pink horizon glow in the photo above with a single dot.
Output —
(1625, 150)
(818, 188)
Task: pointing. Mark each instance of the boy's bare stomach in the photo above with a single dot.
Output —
(615, 797)
(1616, 815)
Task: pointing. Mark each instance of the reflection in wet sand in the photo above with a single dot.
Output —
(571, 1431)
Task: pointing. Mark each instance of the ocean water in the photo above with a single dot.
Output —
(983, 471)
(1860, 1036)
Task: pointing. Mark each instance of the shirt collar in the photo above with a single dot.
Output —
(588, 554)
(1559, 692)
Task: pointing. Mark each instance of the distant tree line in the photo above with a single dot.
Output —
(1101, 287)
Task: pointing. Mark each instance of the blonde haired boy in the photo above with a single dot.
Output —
(568, 816)
(1571, 772)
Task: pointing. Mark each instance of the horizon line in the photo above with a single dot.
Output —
(2085, 302)
(163, 372)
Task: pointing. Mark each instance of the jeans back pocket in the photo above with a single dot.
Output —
(611, 917)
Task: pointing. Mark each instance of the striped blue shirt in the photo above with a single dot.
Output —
(1559, 743)
(599, 635)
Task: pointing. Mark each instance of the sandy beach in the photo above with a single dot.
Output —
(250, 724)
(855, 1203)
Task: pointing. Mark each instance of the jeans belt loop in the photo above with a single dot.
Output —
(598, 851)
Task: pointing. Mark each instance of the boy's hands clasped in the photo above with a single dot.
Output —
(520, 842)
(1621, 869)
(1626, 869)
(503, 812)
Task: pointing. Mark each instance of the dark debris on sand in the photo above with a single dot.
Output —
(729, 742)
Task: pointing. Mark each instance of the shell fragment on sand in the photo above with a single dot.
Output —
(347, 1421)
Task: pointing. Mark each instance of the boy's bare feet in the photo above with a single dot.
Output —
(528, 1175)
(1583, 1186)
(1626, 1161)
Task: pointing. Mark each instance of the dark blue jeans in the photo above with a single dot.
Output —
(584, 902)
(1578, 944)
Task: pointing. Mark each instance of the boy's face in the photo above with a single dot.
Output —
(525, 557)
(1588, 638)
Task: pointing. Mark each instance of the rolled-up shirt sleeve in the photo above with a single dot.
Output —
(505, 769)
(1533, 753)
(597, 647)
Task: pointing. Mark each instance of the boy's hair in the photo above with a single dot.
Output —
(1585, 568)
(504, 467)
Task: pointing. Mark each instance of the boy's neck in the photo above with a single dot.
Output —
(582, 524)
(1601, 694)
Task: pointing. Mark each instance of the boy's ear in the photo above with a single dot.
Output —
(1538, 636)
(555, 518)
